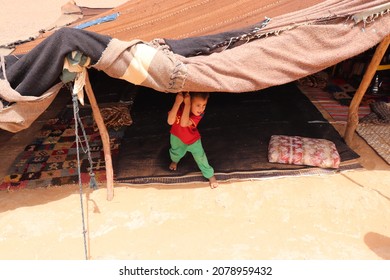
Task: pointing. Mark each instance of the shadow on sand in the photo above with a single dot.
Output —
(379, 244)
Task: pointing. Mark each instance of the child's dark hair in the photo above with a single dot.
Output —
(203, 95)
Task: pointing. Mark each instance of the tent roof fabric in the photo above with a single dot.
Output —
(177, 19)
(289, 47)
(254, 54)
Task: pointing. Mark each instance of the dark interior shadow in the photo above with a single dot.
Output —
(379, 244)
(235, 134)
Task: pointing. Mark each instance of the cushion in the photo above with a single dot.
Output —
(303, 151)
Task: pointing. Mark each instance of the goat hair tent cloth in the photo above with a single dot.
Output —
(272, 52)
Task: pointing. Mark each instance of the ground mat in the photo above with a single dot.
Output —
(377, 135)
(235, 130)
(334, 108)
(375, 128)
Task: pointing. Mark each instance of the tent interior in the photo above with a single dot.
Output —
(227, 47)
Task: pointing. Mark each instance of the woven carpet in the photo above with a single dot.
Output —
(324, 99)
(377, 136)
(235, 130)
(51, 159)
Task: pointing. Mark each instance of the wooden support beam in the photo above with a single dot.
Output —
(105, 138)
(353, 118)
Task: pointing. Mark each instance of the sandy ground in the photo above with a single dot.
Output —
(342, 217)
(22, 19)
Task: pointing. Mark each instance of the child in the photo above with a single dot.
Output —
(186, 113)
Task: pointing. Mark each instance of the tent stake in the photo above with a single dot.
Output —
(105, 138)
(353, 118)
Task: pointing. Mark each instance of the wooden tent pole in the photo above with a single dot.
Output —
(105, 138)
(353, 118)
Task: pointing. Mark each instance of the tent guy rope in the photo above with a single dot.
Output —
(76, 123)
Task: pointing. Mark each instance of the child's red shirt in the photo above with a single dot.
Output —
(188, 134)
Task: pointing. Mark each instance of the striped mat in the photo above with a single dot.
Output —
(325, 101)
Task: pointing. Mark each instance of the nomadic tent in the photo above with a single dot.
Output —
(244, 46)
(214, 46)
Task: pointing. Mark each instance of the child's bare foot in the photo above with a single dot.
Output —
(213, 182)
(173, 166)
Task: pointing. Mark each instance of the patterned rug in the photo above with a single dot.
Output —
(375, 129)
(333, 107)
(377, 135)
(51, 159)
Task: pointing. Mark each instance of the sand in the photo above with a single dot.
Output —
(333, 217)
(21, 19)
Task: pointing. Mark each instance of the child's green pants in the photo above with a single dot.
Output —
(179, 149)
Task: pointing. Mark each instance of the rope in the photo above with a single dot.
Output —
(76, 118)
(86, 149)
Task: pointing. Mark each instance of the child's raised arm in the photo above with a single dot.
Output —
(185, 118)
(175, 107)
